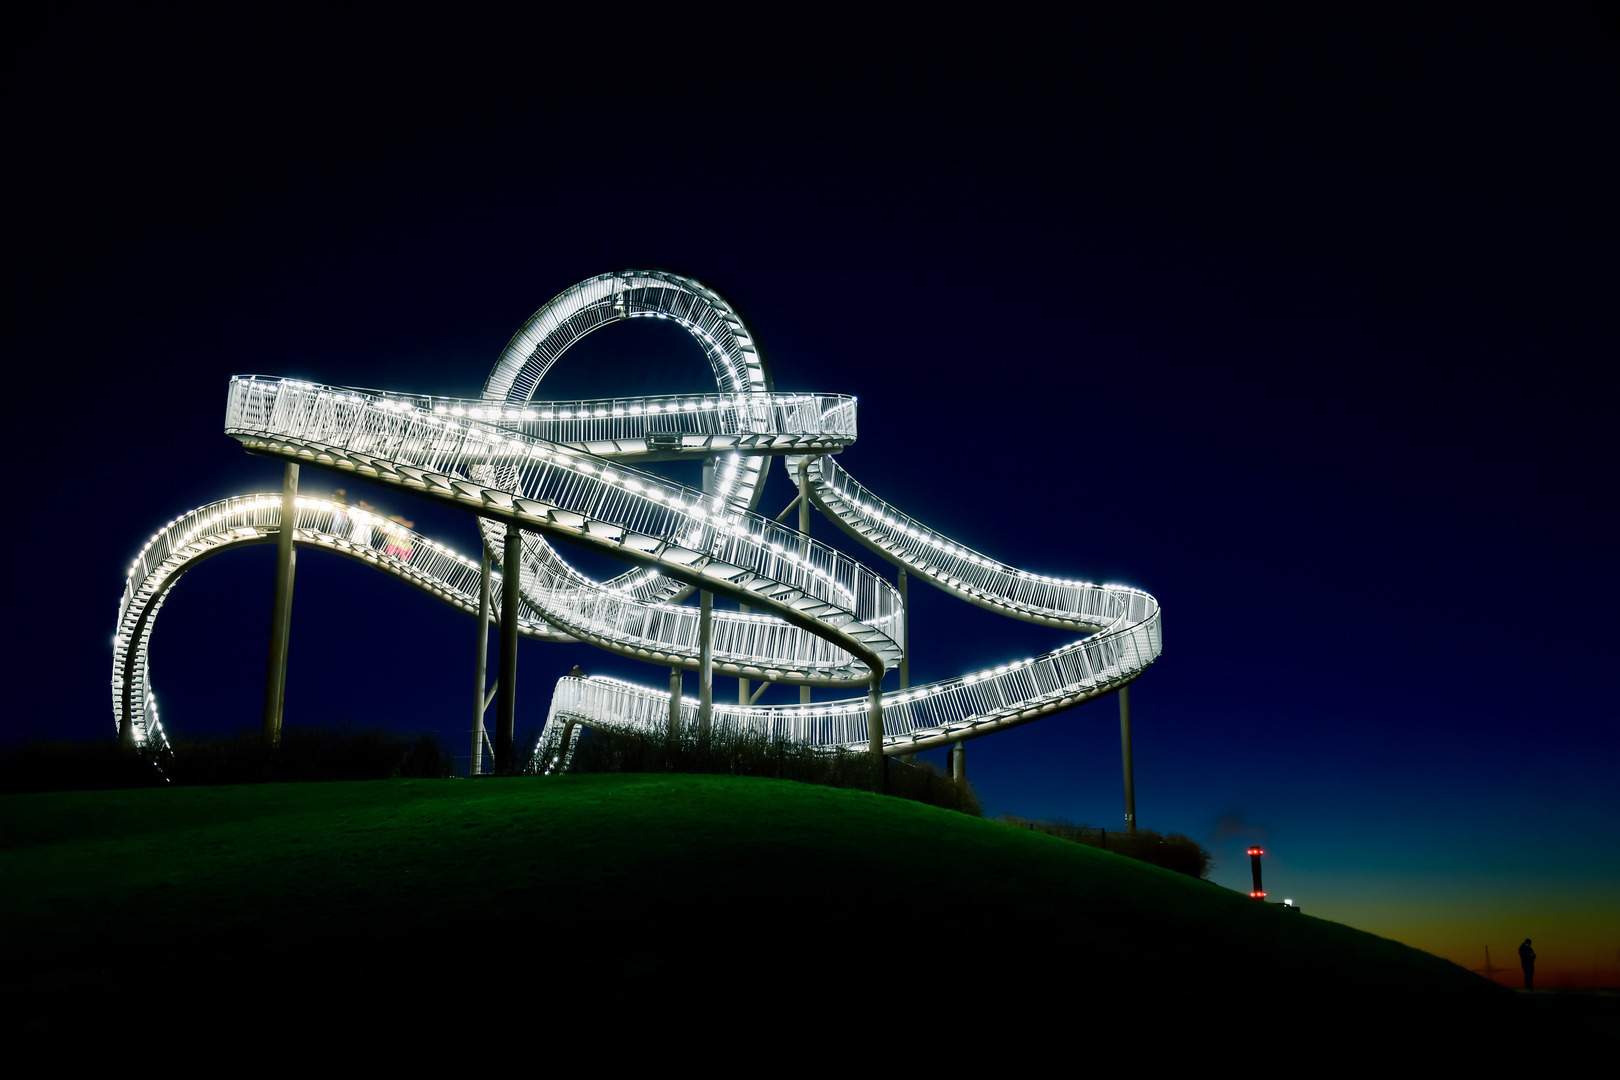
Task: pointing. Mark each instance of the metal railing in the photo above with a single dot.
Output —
(932, 554)
(583, 491)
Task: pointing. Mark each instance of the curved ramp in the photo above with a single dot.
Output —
(567, 470)
(256, 519)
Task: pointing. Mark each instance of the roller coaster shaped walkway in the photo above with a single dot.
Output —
(808, 614)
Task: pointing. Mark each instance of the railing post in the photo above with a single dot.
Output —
(275, 678)
(705, 663)
(481, 664)
(506, 702)
(1125, 752)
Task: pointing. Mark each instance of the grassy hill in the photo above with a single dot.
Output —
(398, 899)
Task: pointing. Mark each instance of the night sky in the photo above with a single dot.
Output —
(1306, 327)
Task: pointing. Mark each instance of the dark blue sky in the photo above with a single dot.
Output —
(1307, 327)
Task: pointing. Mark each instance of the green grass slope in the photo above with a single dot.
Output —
(761, 894)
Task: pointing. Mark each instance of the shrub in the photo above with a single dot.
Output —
(305, 753)
(1173, 852)
(44, 765)
(733, 751)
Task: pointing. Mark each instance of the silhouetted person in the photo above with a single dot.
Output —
(1527, 960)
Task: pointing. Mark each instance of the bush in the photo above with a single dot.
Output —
(732, 751)
(1173, 852)
(44, 765)
(311, 753)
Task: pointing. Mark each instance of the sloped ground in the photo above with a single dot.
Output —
(778, 906)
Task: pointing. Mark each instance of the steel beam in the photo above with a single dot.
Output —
(674, 701)
(742, 684)
(804, 502)
(705, 663)
(905, 634)
(475, 766)
(1125, 752)
(874, 730)
(506, 701)
(275, 677)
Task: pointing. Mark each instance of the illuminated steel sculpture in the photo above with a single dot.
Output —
(808, 614)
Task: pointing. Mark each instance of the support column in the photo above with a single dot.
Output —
(506, 702)
(674, 701)
(562, 747)
(804, 530)
(275, 677)
(705, 663)
(959, 761)
(905, 635)
(874, 734)
(1125, 752)
(742, 684)
(475, 766)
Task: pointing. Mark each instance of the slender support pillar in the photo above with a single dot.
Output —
(674, 701)
(874, 732)
(959, 761)
(275, 678)
(742, 684)
(705, 663)
(905, 642)
(506, 701)
(562, 747)
(804, 501)
(1125, 752)
(804, 529)
(481, 666)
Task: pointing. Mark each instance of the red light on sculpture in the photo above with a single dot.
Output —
(1256, 851)
(1258, 895)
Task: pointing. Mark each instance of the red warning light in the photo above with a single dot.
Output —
(1258, 895)
(1256, 851)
